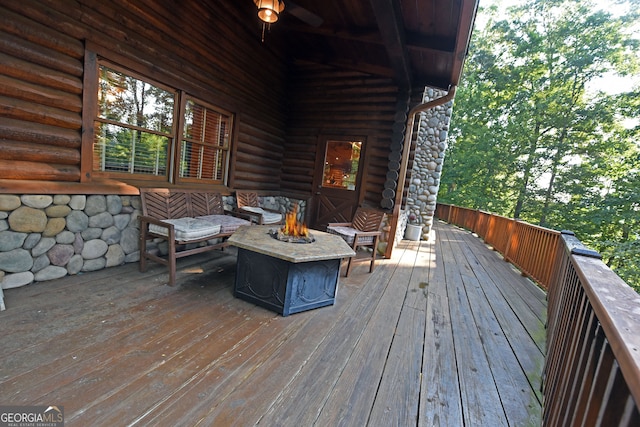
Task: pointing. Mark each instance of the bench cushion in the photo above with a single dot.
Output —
(348, 233)
(187, 229)
(227, 223)
(267, 217)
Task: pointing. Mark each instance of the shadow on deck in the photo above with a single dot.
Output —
(445, 333)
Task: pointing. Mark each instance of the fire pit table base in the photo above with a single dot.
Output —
(287, 277)
(285, 287)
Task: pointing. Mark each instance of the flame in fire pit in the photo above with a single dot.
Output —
(293, 231)
(292, 227)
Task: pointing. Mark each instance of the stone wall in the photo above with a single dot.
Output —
(282, 205)
(45, 237)
(427, 165)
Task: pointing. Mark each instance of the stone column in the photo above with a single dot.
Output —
(427, 165)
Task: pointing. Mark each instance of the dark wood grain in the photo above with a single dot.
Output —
(423, 340)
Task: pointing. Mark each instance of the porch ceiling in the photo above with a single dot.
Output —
(416, 42)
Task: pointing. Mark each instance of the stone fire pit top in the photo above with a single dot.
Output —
(256, 238)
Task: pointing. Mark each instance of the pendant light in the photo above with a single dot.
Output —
(268, 12)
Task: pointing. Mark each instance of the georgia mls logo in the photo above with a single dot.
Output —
(54, 410)
(31, 416)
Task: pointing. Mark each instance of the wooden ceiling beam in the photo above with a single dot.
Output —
(363, 67)
(364, 36)
(414, 41)
(431, 44)
(390, 24)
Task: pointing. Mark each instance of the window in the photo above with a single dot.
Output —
(341, 162)
(134, 126)
(204, 150)
(142, 130)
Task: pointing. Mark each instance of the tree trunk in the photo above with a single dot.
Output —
(526, 172)
(548, 194)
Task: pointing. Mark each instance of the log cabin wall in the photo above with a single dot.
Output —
(53, 220)
(209, 50)
(206, 49)
(337, 102)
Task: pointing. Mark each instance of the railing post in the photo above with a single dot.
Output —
(574, 245)
(472, 224)
(489, 238)
(512, 231)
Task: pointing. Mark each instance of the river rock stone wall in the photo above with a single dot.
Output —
(283, 205)
(427, 165)
(45, 237)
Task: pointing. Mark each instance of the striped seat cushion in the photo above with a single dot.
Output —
(187, 229)
(348, 234)
(267, 217)
(227, 223)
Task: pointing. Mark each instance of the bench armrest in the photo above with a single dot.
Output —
(238, 214)
(151, 220)
(368, 233)
(339, 224)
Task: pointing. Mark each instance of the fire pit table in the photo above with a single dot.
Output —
(287, 277)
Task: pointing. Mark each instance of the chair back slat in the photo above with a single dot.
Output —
(247, 198)
(161, 203)
(207, 204)
(165, 203)
(367, 219)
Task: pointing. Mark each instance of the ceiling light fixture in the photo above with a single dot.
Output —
(268, 12)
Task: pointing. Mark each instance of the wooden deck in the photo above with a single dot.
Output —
(445, 333)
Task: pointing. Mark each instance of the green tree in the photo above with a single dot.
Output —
(531, 141)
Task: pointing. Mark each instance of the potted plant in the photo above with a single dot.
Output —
(413, 230)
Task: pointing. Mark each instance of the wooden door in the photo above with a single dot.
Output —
(338, 180)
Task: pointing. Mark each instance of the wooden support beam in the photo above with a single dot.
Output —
(391, 27)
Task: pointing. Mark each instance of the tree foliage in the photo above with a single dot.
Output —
(531, 139)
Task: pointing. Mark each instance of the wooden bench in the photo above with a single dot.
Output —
(191, 221)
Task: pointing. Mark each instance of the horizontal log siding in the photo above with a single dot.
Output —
(40, 100)
(210, 50)
(337, 102)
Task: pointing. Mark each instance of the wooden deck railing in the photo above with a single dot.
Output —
(530, 248)
(592, 368)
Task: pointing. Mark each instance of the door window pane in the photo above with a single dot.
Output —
(341, 164)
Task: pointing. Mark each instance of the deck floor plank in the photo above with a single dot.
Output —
(348, 366)
(512, 383)
(398, 397)
(517, 291)
(443, 334)
(510, 316)
(171, 363)
(440, 403)
(50, 352)
(254, 380)
(345, 405)
(521, 287)
(481, 403)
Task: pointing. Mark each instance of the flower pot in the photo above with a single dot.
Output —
(413, 232)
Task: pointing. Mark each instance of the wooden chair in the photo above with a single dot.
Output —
(248, 203)
(363, 231)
